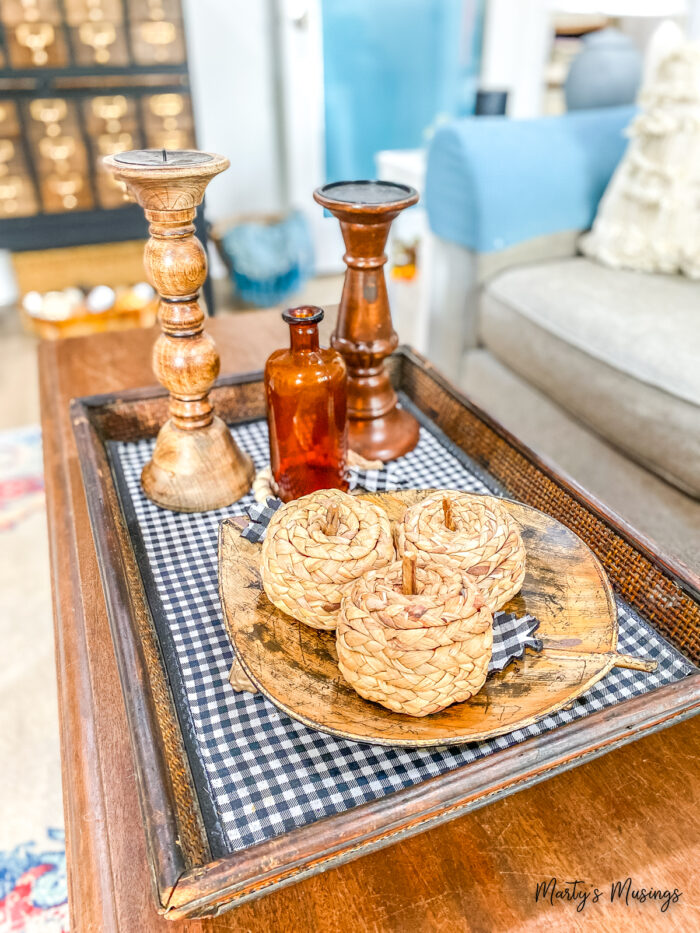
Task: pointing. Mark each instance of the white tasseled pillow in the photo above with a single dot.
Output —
(648, 218)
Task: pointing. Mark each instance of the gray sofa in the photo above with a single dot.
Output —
(597, 369)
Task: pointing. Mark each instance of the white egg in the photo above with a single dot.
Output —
(56, 307)
(74, 297)
(33, 302)
(100, 299)
(143, 291)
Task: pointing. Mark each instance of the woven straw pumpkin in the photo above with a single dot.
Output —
(316, 547)
(475, 534)
(415, 653)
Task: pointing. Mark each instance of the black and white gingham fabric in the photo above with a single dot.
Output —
(265, 773)
(260, 514)
(391, 477)
(511, 636)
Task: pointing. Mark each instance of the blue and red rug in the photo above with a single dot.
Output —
(21, 475)
(33, 892)
(33, 887)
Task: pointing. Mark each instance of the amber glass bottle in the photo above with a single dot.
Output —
(306, 389)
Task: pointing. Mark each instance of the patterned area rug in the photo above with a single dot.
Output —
(33, 895)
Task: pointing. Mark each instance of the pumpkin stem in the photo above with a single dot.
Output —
(408, 575)
(449, 518)
(332, 520)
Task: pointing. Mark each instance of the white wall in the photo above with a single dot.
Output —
(230, 56)
(517, 40)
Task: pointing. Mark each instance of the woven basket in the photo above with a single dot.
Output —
(471, 533)
(415, 653)
(316, 547)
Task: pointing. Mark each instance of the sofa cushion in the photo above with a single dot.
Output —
(619, 350)
(647, 219)
(652, 506)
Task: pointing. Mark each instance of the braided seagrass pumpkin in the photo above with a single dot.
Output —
(418, 648)
(316, 547)
(471, 533)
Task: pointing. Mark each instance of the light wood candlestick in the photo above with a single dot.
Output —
(196, 464)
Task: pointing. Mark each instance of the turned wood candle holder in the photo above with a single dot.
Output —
(378, 429)
(196, 464)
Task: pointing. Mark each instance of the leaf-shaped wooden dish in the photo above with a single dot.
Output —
(296, 667)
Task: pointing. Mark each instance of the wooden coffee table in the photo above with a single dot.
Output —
(632, 813)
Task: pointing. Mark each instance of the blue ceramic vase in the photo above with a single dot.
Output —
(606, 73)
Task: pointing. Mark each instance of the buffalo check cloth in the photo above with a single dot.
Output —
(259, 773)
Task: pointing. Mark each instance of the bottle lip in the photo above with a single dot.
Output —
(306, 314)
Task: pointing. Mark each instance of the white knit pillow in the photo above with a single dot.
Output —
(648, 218)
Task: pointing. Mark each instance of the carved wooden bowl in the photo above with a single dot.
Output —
(296, 668)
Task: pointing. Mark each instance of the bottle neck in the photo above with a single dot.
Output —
(303, 337)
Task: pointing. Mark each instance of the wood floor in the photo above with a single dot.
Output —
(19, 378)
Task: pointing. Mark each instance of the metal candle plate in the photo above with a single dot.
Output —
(367, 192)
(160, 157)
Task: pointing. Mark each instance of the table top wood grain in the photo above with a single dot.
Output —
(633, 813)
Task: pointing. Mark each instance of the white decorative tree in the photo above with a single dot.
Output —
(649, 216)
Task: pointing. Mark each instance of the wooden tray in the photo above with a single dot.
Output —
(296, 667)
(192, 875)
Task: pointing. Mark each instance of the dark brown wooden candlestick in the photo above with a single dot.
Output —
(378, 429)
(196, 464)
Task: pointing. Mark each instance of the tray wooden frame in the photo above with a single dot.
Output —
(187, 879)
